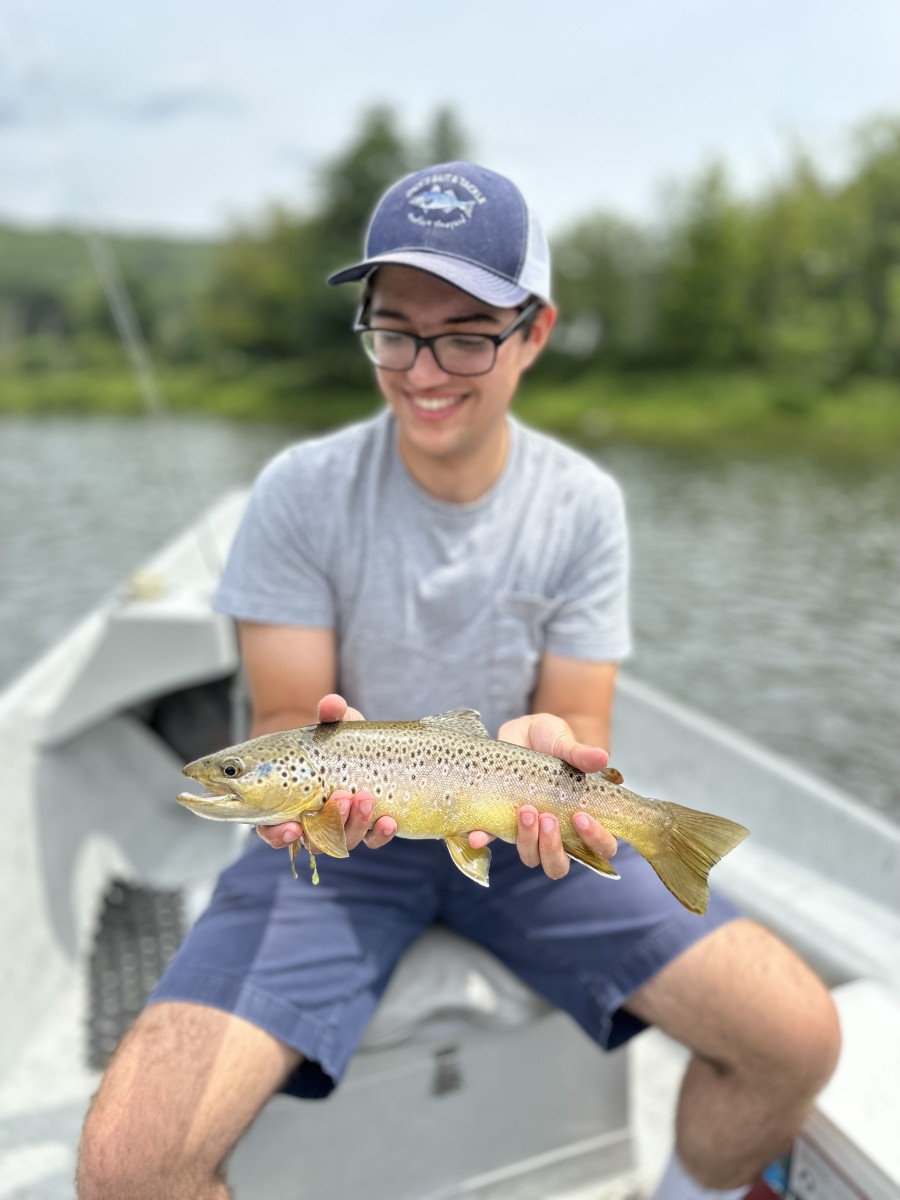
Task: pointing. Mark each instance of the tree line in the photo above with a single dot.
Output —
(800, 282)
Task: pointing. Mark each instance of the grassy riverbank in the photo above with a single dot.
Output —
(729, 411)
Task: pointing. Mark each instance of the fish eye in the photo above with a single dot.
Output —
(232, 767)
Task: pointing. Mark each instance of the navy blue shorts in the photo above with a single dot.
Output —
(309, 963)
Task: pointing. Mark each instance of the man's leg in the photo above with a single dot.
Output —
(765, 1038)
(182, 1088)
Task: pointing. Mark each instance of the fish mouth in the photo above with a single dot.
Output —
(226, 806)
(215, 805)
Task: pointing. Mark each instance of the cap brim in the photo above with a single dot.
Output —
(476, 281)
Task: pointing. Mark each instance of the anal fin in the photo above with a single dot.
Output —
(474, 863)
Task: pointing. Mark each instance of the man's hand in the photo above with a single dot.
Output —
(539, 840)
(356, 810)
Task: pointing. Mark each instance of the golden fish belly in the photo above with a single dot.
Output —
(447, 811)
(454, 804)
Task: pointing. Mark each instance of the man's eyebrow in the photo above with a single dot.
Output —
(468, 319)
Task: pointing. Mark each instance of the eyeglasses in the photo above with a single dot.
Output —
(455, 353)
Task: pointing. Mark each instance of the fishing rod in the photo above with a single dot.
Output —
(49, 111)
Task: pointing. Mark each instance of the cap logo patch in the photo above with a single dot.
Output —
(437, 204)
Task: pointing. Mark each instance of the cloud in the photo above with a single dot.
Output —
(175, 102)
(25, 102)
(12, 114)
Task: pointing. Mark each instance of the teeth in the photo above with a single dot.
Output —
(433, 403)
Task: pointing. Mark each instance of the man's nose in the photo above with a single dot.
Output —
(426, 370)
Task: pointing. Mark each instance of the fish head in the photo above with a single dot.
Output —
(261, 782)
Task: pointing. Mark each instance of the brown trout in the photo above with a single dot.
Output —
(441, 777)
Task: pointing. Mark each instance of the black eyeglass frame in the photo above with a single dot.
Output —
(497, 339)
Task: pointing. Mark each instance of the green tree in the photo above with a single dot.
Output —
(793, 274)
(445, 140)
(704, 316)
(375, 158)
(872, 205)
(604, 281)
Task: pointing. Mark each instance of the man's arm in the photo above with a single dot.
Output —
(292, 673)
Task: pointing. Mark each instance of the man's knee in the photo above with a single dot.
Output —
(179, 1093)
(810, 1045)
(742, 999)
(785, 1027)
(107, 1168)
(119, 1158)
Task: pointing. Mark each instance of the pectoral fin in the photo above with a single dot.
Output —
(324, 831)
(474, 863)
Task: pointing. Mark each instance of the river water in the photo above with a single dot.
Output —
(765, 591)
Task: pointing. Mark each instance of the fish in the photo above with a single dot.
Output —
(440, 777)
(442, 201)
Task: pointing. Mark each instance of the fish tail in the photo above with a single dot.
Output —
(693, 844)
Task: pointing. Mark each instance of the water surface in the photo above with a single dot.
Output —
(764, 591)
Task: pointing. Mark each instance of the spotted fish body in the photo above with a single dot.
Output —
(442, 777)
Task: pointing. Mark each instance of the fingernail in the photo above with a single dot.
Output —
(344, 808)
(365, 807)
(580, 821)
(287, 837)
(548, 824)
(527, 819)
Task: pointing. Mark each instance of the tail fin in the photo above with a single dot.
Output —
(695, 841)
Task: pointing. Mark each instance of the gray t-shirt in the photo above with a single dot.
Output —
(435, 605)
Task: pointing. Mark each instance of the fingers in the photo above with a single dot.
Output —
(335, 708)
(356, 813)
(585, 758)
(594, 835)
(478, 839)
(358, 808)
(552, 735)
(279, 836)
(381, 833)
(539, 842)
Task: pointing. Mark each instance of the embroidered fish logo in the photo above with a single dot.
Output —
(436, 200)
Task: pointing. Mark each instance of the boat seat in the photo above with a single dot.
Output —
(444, 986)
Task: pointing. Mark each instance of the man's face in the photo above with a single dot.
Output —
(444, 416)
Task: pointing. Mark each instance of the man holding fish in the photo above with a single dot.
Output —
(440, 556)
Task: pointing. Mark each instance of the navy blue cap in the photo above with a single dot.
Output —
(464, 224)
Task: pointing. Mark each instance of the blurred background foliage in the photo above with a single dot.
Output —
(792, 295)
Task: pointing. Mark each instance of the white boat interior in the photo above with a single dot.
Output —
(101, 869)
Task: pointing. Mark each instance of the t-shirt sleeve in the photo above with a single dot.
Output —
(592, 620)
(274, 573)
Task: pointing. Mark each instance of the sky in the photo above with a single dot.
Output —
(187, 117)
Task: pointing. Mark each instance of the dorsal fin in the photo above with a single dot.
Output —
(459, 720)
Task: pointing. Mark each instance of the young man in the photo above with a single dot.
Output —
(439, 556)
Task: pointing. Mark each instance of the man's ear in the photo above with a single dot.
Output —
(539, 334)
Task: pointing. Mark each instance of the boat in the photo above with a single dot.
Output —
(500, 1097)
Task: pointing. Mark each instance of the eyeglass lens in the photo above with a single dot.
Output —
(458, 354)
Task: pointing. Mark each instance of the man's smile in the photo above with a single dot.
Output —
(432, 405)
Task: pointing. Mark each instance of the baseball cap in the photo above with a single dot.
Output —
(464, 224)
